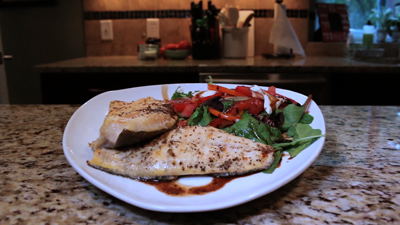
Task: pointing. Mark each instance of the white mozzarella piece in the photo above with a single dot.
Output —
(267, 103)
(256, 88)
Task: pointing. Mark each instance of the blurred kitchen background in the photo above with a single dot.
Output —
(39, 32)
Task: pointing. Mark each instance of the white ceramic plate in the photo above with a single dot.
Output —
(84, 125)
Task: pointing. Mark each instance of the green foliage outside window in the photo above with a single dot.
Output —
(359, 10)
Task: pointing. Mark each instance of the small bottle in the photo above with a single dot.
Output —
(368, 35)
(350, 45)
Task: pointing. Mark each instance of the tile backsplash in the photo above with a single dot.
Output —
(129, 22)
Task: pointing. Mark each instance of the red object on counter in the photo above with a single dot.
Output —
(212, 35)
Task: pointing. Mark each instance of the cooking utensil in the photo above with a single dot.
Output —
(246, 22)
(233, 15)
(243, 14)
(223, 18)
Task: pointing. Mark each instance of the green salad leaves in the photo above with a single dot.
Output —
(178, 94)
(201, 116)
(251, 128)
(293, 114)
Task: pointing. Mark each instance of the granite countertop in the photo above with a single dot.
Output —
(355, 180)
(258, 64)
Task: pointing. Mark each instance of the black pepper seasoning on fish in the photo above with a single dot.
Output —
(184, 151)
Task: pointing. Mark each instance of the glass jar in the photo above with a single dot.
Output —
(148, 51)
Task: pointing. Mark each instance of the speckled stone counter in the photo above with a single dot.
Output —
(355, 180)
(311, 64)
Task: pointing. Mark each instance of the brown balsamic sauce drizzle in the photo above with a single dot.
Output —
(280, 161)
(174, 188)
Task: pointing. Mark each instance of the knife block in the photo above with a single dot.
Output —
(205, 41)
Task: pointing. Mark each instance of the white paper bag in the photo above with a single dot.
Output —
(283, 35)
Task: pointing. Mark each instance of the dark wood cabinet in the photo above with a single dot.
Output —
(77, 88)
(327, 89)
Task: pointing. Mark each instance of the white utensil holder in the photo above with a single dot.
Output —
(234, 42)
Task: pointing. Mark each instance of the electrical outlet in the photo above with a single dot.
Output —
(106, 30)
(153, 28)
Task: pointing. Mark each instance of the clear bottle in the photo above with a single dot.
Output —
(368, 36)
(350, 46)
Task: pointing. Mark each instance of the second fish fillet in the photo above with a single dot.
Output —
(131, 122)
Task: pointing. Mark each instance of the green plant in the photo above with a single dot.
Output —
(382, 18)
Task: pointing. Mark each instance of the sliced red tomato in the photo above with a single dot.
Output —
(272, 90)
(180, 104)
(244, 90)
(224, 90)
(248, 92)
(195, 101)
(254, 105)
(222, 115)
(188, 110)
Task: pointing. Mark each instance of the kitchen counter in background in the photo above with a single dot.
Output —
(353, 181)
(331, 80)
(312, 64)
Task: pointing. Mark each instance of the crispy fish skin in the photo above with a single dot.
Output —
(184, 151)
(131, 122)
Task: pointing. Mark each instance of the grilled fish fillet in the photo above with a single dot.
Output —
(191, 150)
(131, 122)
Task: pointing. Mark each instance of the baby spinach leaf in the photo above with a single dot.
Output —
(277, 158)
(227, 105)
(292, 114)
(178, 94)
(307, 118)
(251, 128)
(302, 130)
(303, 136)
(201, 116)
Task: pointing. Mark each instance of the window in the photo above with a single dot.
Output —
(359, 10)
